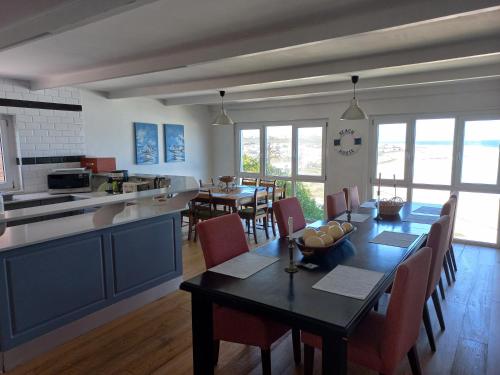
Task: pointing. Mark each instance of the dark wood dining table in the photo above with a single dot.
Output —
(290, 298)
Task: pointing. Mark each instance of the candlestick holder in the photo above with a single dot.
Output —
(292, 267)
(378, 217)
(348, 212)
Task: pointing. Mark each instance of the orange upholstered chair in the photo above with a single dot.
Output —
(354, 194)
(438, 242)
(381, 342)
(285, 208)
(221, 239)
(335, 204)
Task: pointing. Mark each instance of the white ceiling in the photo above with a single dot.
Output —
(185, 50)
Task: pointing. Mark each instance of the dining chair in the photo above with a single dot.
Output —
(354, 194)
(380, 342)
(204, 184)
(335, 204)
(454, 196)
(221, 239)
(250, 181)
(437, 240)
(203, 210)
(257, 210)
(285, 208)
(270, 185)
(449, 208)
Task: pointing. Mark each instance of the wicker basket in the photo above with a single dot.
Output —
(391, 207)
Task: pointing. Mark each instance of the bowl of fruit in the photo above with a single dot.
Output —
(326, 237)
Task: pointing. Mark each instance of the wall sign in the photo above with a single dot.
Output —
(347, 143)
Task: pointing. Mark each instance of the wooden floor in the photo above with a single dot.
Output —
(157, 338)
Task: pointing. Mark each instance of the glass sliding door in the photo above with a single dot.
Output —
(250, 151)
(450, 153)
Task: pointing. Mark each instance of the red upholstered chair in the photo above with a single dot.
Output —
(354, 194)
(335, 204)
(285, 208)
(381, 342)
(221, 239)
(450, 209)
(438, 242)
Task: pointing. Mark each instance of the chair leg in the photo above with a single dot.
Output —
(248, 228)
(414, 361)
(441, 288)
(216, 351)
(439, 312)
(273, 225)
(254, 225)
(428, 327)
(450, 265)
(308, 359)
(296, 345)
(190, 227)
(195, 231)
(446, 272)
(452, 253)
(266, 229)
(266, 361)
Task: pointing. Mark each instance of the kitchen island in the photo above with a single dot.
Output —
(62, 277)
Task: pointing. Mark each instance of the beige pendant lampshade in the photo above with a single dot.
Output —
(222, 118)
(354, 111)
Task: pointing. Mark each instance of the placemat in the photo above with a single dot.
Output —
(397, 239)
(244, 265)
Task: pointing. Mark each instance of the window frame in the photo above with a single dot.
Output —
(458, 148)
(294, 176)
(10, 154)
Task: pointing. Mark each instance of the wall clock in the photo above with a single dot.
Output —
(347, 143)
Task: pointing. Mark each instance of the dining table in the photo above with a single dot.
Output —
(290, 298)
(233, 196)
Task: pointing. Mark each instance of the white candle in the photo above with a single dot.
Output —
(290, 226)
(348, 199)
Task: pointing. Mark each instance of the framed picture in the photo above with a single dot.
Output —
(174, 143)
(146, 143)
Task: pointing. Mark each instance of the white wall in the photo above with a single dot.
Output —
(354, 169)
(43, 132)
(109, 132)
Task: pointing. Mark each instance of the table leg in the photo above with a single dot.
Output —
(203, 335)
(334, 355)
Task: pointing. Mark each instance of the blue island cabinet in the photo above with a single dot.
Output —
(47, 285)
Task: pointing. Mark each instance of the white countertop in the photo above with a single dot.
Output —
(113, 210)
(178, 184)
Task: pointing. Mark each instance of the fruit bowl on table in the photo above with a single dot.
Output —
(227, 179)
(308, 250)
(391, 207)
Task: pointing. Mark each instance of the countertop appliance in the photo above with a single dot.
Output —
(98, 164)
(69, 180)
(131, 187)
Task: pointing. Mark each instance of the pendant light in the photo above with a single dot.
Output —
(222, 118)
(354, 112)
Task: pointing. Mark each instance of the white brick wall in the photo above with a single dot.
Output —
(43, 132)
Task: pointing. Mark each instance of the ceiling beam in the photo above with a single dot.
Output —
(421, 55)
(352, 20)
(335, 88)
(63, 17)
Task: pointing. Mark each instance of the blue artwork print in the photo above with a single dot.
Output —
(146, 143)
(174, 143)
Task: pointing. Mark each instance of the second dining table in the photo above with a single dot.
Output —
(233, 197)
(290, 298)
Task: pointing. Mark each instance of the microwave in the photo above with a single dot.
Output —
(71, 180)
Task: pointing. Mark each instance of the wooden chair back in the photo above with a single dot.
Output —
(247, 181)
(354, 196)
(260, 202)
(437, 240)
(270, 186)
(335, 204)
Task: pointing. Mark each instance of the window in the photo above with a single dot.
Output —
(279, 150)
(452, 153)
(391, 150)
(250, 150)
(433, 154)
(9, 170)
(481, 152)
(292, 153)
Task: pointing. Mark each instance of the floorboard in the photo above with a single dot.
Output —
(156, 339)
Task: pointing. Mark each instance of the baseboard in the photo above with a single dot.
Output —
(27, 351)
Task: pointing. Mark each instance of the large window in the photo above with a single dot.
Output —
(449, 153)
(293, 153)
(9, 170)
